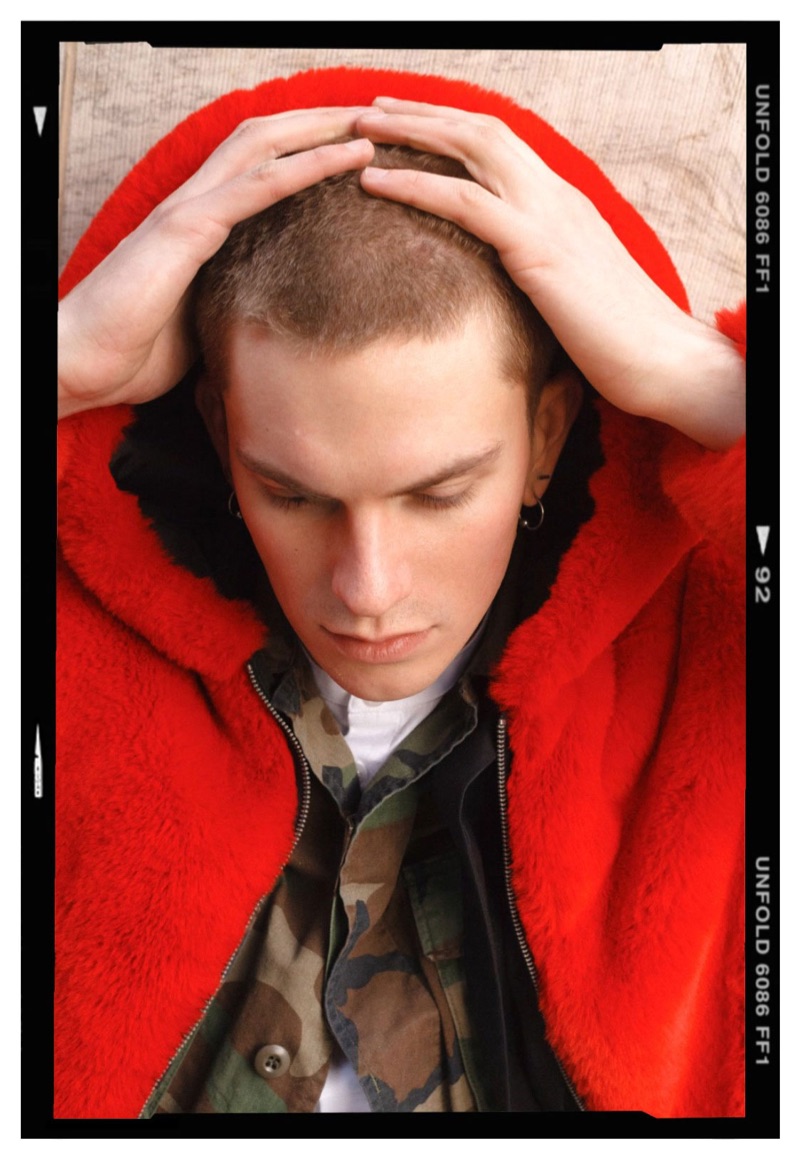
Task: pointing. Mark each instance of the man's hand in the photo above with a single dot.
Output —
(628, 338)
(122, 332)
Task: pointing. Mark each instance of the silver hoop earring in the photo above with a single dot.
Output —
(532, 526)
(233, 507)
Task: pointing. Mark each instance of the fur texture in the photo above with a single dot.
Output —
(624, 693)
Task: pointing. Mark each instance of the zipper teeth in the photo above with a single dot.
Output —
(188, 1037)
(305, 800)
(512, 904)
(518, 930)
(302, 816)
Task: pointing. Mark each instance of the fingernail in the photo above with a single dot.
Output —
(373, 115)
(355, 144)
(375, 173)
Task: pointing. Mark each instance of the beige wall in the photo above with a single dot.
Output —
(667, 127)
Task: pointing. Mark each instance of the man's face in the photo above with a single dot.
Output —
(381, 490)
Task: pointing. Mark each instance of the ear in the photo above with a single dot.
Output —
(559, 403)
(211, 407)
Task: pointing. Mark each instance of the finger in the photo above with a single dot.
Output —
(466, 203)
(143, 280)
(491, 153)
(425, 109)
(205, 221)
(483, 121)
(263, 139)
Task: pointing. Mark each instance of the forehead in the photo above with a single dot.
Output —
(390, 372)
(382, 413)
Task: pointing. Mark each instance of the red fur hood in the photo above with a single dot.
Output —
(623, 692)
(122, 546)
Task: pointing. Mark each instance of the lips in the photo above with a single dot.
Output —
(386, 650)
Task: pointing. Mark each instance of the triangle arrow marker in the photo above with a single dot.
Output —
(763, 534)
(39, 112)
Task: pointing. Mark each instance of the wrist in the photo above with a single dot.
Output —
(703, 390)
(68, 402)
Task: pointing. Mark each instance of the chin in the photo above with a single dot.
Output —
(382, 684)
(380, 690)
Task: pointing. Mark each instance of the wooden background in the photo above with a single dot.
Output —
(667, 127)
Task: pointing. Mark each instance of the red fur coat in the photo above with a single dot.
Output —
(624, 694)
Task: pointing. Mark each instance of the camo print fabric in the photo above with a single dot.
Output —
(359, 943)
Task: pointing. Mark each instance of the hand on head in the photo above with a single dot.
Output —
(124, 334)
(633, 344)
(123, 331)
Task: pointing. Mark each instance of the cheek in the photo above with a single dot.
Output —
(476, 557)
(290, 563)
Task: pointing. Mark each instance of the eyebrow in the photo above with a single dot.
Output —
(458, 468)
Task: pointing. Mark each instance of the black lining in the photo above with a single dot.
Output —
(520, 1072)
(166, 459)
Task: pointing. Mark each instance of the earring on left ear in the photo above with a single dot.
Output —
(532, 527)
(233, 506)
(523, 521)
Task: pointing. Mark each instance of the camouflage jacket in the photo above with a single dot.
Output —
(358, 950)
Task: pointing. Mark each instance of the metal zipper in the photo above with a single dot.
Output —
(512, 904)
(305, 798)
(302, 817)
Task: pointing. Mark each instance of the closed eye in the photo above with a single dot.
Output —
(282, 498)
(445, 501)
(426, 500)
(282, 502)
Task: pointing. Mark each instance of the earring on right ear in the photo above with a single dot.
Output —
(233, 506)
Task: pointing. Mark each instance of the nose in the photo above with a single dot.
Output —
(371, 572)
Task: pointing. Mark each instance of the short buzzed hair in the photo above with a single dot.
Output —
(336, 268)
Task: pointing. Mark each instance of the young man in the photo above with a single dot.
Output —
(465, 833)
